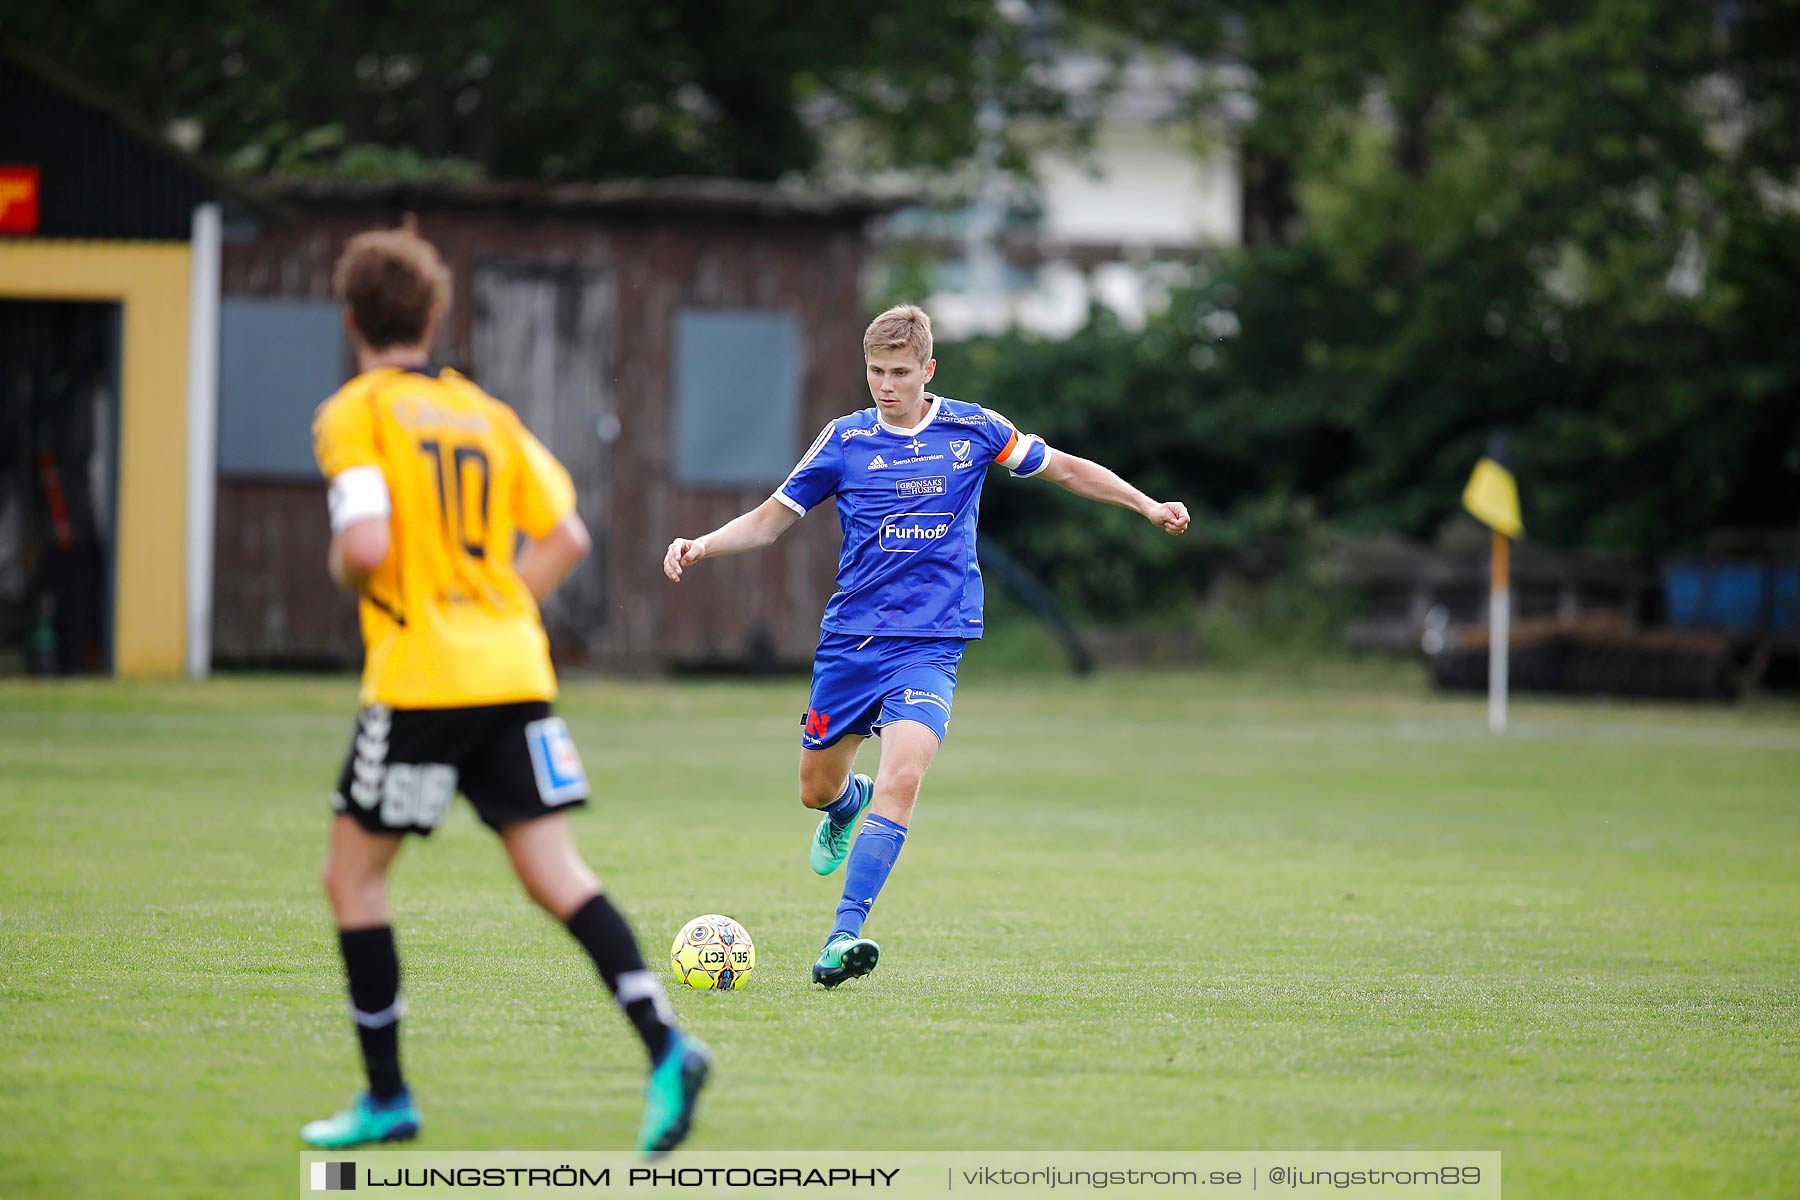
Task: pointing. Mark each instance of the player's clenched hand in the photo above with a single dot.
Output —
(1173, 517)
(683, 552)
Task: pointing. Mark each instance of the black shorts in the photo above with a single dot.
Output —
(513, 761)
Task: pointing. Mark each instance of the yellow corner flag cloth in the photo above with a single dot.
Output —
(1492, 498)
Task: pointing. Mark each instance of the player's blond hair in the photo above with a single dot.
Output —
(393, 283)
(902, 327)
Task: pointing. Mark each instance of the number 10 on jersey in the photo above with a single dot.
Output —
(462, 493)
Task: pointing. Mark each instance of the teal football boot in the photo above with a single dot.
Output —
(672, 1093)
(831, 841)
(845, 957)
(366, 1120)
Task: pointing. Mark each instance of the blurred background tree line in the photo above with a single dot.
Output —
(1578, 222)
(576, 89)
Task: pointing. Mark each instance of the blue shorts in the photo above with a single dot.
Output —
(861, 683)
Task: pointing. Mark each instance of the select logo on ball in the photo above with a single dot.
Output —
(713, 953)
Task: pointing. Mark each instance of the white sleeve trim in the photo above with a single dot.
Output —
(813, 452)
(357, 494)
(791, 503)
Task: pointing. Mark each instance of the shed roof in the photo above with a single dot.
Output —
(716, 197)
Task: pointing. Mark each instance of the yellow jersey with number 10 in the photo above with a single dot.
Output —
(446, 621)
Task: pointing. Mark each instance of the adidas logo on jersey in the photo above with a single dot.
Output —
(877, 463)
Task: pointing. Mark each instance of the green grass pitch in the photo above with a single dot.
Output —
(1171, 911)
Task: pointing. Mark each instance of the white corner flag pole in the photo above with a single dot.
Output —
(1499, 622)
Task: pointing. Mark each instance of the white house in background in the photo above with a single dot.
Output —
(1115, 224)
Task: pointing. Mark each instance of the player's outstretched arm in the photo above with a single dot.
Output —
(752, 531)
(1096, 482)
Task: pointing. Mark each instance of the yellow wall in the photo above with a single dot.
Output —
(151, 280)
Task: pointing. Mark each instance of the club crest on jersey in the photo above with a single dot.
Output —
(877, 463)
(960, 451)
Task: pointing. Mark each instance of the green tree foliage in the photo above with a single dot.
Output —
(1578, 223)
(545, 88)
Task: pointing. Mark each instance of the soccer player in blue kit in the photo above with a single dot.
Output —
(907, 474)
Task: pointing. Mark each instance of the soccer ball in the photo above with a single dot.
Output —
(713, 952)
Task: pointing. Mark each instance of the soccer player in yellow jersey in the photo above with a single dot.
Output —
(432, 482)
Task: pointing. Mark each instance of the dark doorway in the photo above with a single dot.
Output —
(59, 470)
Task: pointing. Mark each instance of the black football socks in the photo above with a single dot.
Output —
(603, 933)
(373, 968)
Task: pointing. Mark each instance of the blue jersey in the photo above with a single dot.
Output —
(908, 500)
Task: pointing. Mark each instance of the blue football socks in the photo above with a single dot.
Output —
(871, 859)
(843, 810)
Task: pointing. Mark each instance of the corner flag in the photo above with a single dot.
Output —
(1492, 498)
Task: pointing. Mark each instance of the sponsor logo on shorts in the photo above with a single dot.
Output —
(908, 533)
(817, 723)
(915, 696)
(560, 775)
(934, 486)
